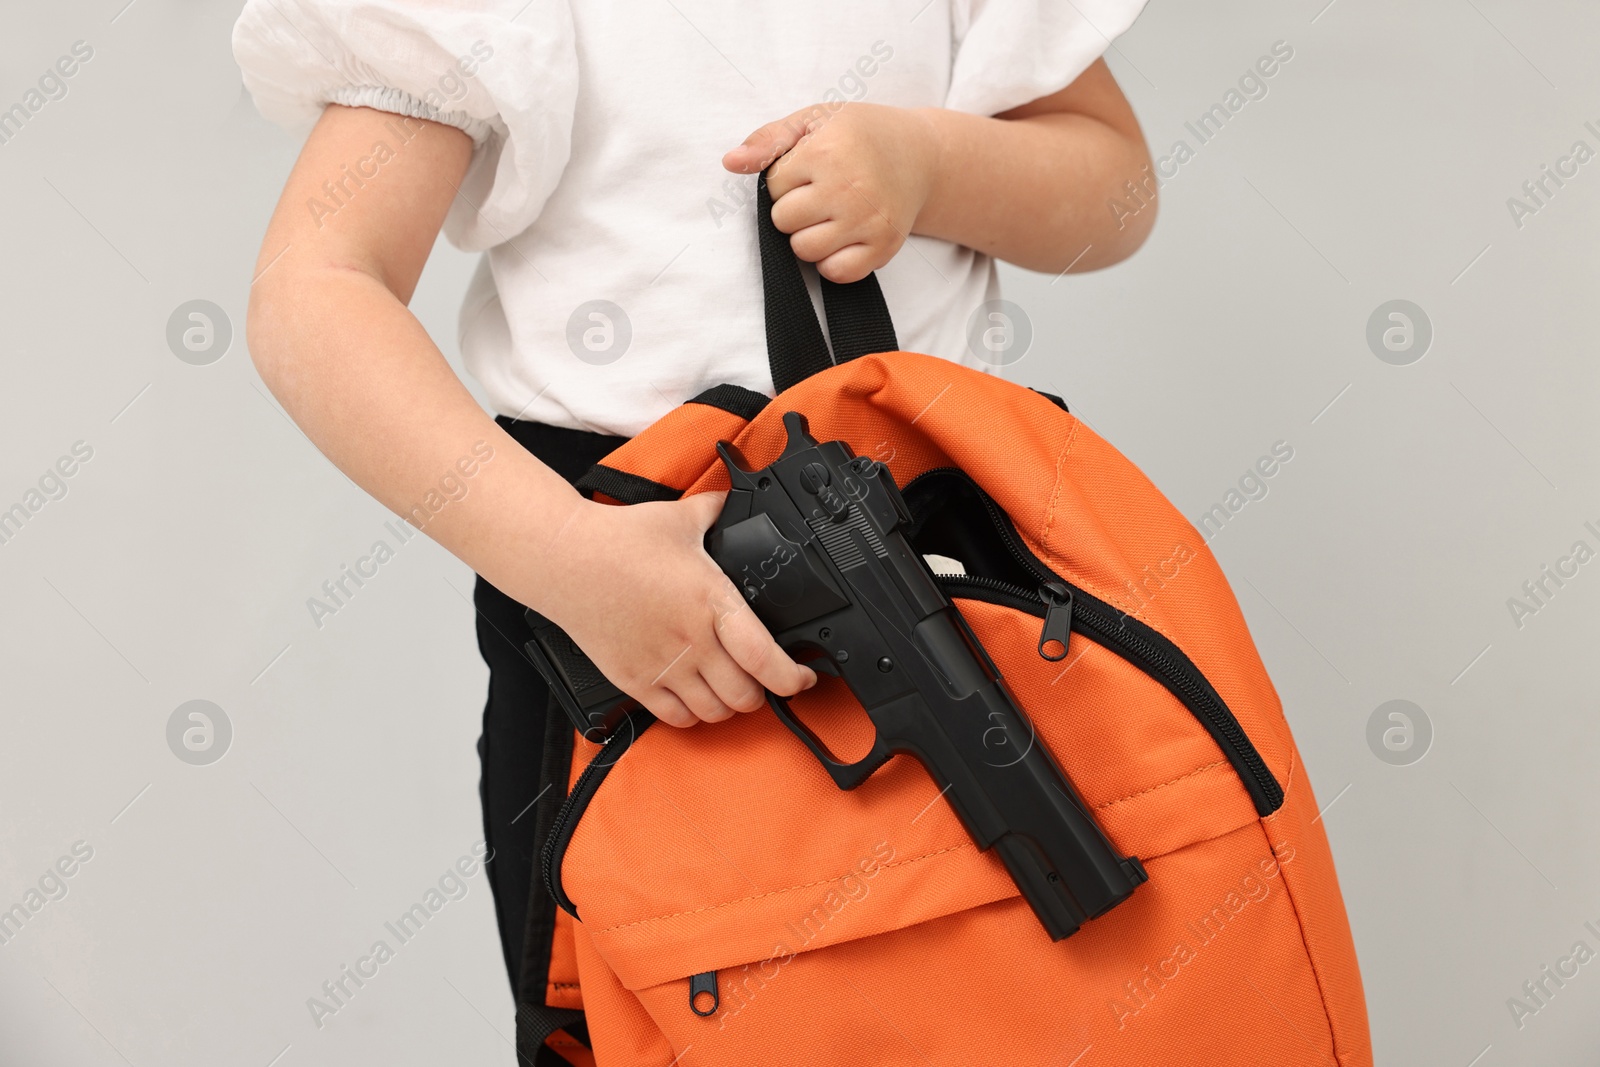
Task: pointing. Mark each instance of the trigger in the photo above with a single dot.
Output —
(817, 659)
(824, 665)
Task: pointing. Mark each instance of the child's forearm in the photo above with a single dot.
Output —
(361, 377)
(1037, 191)
(332, 337)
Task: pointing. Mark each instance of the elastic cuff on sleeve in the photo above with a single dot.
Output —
(399, 102)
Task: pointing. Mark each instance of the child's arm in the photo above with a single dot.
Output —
(1031, 186)
(330, 333)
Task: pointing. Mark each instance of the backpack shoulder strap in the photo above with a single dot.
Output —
(858, 318)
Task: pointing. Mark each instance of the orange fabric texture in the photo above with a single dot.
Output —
(562, 989)
(864, 926)
(677, 468)
(570, 1049)
(562, 986)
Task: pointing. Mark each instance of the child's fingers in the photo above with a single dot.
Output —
(791, 171)
(803, 206)
(814, 244)
(850, 263)
(752, 648)
(698, 697)
(664, 705)
(732, 684)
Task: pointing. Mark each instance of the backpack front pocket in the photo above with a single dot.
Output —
(849, 974)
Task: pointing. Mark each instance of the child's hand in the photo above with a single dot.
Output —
(850, 184)
(637, 592)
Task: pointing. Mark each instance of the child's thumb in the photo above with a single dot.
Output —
(705, 507)
(769, 142)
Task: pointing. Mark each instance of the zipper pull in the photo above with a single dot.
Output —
(704, 986)
(1057, 621)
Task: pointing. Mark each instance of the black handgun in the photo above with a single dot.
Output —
(816, 544)
(594, 705)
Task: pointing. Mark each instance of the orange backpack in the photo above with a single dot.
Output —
(724, 902)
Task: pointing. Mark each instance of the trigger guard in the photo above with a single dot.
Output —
(845, 775)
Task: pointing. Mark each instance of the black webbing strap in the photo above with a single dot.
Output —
(795, 348)
(734, 399)
(535, 1022)
(858, 318)
(623, 486)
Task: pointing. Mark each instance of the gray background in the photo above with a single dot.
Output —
(1378, 567)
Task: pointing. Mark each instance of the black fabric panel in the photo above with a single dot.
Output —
(567, 452)
(525, 746)
(512, 741)
(539, 925)
(620, 485)
(948, 518)
(858, 319)
(734, 399)
(535, 1022)
(1056, 400)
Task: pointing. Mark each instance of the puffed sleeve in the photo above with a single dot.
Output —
(1011, 52)
(503, 71)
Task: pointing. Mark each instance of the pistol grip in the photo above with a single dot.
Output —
(846, 775)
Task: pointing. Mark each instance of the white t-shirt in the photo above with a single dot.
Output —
(621, 274)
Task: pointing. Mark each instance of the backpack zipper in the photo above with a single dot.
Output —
(1052, 602)
(614, 746)
(704, 985)
(1136, 642)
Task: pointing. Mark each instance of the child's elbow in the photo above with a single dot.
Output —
(1121, 229)
(263, 330)
(1133, 226)
(1131, 209)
